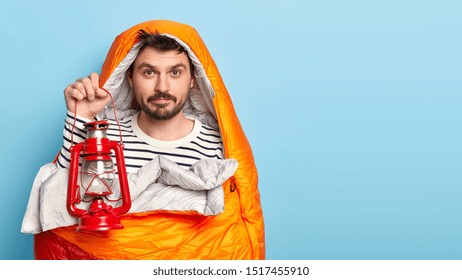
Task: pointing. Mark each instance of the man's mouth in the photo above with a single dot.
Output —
(161, 97)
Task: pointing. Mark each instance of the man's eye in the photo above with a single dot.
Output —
(176, 72)
(148, 72)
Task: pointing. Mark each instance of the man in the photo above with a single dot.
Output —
(161, 77)
(173, 105)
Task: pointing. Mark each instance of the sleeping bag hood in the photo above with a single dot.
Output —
(236, 233)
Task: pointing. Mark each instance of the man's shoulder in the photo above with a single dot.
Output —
(207, 129)
(125, 122)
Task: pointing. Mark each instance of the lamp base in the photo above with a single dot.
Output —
(99, 223)
(99, 218)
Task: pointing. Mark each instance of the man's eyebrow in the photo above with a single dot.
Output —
(178, 65)
(175, 66)
(147, 65)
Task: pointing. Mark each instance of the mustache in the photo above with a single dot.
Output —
(162, 95)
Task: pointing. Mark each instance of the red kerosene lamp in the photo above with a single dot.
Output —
(97, 176)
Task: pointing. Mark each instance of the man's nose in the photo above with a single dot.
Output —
(162, 83)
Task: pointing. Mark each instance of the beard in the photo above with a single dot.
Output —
(159, 111)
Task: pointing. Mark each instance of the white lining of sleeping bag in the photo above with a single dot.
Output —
(161, 184)
(199, 104)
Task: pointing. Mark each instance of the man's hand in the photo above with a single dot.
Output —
(90, 98)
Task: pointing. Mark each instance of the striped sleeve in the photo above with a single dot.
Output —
(75, 131)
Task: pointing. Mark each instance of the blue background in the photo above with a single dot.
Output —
(353, 110)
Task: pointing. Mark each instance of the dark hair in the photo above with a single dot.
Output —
(160, 42)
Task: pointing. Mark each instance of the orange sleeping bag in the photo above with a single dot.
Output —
(237, 233)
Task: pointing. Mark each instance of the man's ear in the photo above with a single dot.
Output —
(193, 82)
(128, 74)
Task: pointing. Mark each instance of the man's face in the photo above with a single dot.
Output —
(161, 81)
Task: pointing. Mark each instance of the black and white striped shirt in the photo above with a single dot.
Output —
(202, 142)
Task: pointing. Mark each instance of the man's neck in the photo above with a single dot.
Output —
(165, 130)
